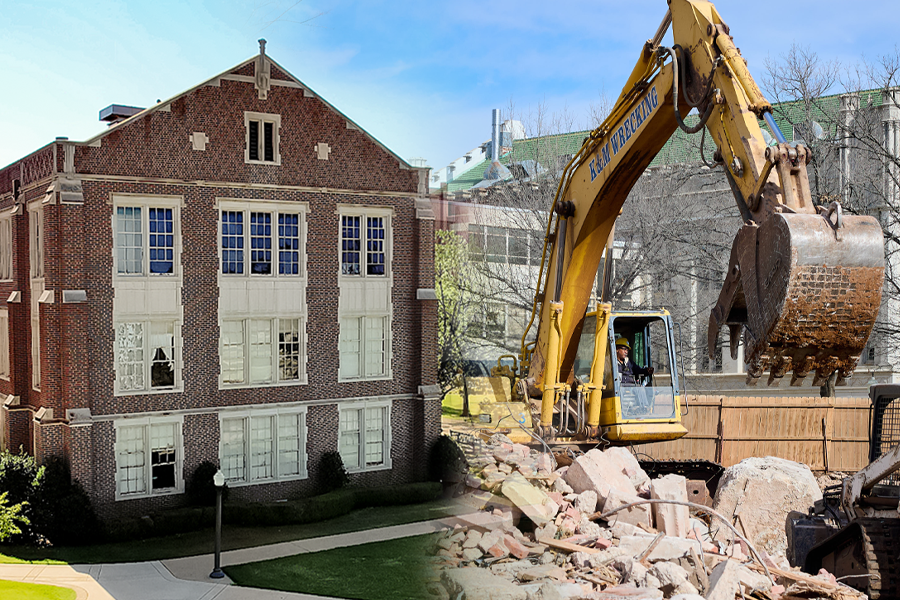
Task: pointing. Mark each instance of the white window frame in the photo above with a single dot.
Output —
(148, 357)
(364, 213)
(145, 203)
(247, 324)
(362, 410)
(276, 209)
(262, 119)
(6, 248)
(145, 424)
(36, 240)
(362, 352)
(246, 419)
(4, 344)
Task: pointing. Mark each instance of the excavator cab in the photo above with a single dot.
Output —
(634, 405)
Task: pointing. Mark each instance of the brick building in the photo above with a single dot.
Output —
(238, 274)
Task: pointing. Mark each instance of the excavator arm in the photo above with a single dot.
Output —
(803, 283)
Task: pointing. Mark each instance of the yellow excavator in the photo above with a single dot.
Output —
(803, 284)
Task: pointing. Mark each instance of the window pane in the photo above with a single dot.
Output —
(232, 242)
(260, 351)
(6, 249)
(232, 352)
(375, 436)
(289, 349)
(290, 444)
(518, 247)
(130, 460)
(261, 243)
(496, 244)
(262, 448)
(350, 245)
(253, 144)
(375, 246)
(162, 355)
(162, 455)
(129, 245)
(349, 444)
(350, 347)
(375, 346)
(232, 432)
(130, 356)
(269, 143)
(162, 240)
(288, 244)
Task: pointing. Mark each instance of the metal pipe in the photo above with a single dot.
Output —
(560, 256)
(773, 127)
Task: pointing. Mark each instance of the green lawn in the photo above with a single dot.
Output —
(34, 591)
(233, 537)
(392, 570)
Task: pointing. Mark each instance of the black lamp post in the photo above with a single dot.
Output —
(219, 481)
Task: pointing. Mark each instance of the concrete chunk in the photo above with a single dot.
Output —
(759, 493)
(626, 592)
(671, 519)
(668, 548)
(533, 502)
(473, 583)
(629, 466)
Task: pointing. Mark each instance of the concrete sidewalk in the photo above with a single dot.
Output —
(188, 578)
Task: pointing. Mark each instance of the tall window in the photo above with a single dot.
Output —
(365, 434)
(505, 245)
(262, 137)
(4, 344)
(363, 239)
(148, 457)
(5, 248)
(146, 357)
(261, 243)
(262, 351)
(36, 242)
(363, 347)
(145, 240)
(263, 445)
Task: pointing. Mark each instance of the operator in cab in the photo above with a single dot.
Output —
(627, 367)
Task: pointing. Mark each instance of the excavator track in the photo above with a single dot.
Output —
(866, 554)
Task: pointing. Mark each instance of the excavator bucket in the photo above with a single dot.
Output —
(805, 289)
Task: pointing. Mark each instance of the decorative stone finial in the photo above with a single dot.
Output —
(262, 47)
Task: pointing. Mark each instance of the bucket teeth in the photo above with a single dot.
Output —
(806, 297)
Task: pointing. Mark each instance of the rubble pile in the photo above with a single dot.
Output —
(540, 536)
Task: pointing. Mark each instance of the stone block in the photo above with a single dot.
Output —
(628, 464)
(668, 548)
(586, 502)
(671, 519)
(592, 471)
(636, 515)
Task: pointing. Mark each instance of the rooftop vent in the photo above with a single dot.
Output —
(114, 113)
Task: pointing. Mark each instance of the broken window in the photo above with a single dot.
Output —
(142, 348)
(249, 354)
(148, 458)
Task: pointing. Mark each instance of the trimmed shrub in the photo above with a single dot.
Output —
(21, 478)
(446, 462)
(332, 474)
(201, 490)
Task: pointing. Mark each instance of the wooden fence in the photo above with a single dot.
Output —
(826, 434)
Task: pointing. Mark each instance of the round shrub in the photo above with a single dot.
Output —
(447, 463)
(332, 474)
(201, 490)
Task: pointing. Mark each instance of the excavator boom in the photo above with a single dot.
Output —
(804, 282)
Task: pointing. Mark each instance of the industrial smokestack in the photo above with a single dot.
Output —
(495, 134)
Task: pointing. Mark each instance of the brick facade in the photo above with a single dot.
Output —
(151, 155)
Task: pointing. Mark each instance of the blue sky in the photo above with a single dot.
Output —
(422, 77)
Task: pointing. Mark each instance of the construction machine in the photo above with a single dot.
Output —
(803, 283)
(854, 531)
